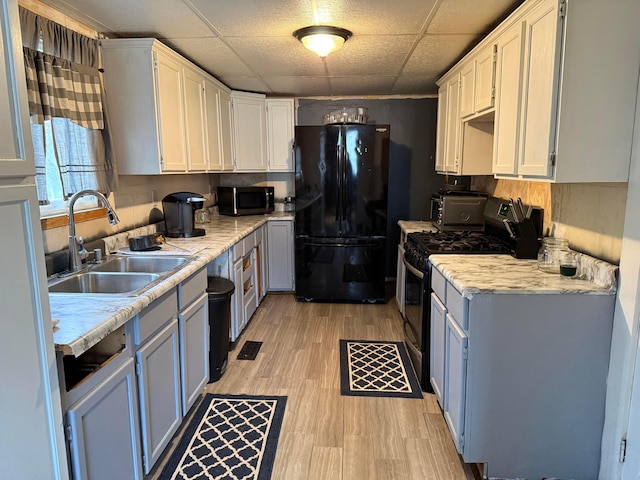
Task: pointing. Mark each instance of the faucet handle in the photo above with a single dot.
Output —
(82, 251)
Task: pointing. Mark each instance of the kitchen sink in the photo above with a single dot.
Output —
(104, 282)
(141, 264)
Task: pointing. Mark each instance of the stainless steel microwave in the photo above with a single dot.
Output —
(245, 200)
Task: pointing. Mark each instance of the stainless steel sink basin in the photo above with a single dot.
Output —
(104, 282)
(142, 264)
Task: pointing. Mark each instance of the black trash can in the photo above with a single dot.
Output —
(220, 291)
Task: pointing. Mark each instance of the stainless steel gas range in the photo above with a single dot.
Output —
(506, 232)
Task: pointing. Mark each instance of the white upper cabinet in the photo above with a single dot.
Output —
(554, 117)
(484, 79)
(477, 83)
(569, 128)
(451, 151)
(14, 115)
(162, 118)
(508, 80)
(224, 128)
(218, 127)
(195, 116)
(249, 132)
(280, 134)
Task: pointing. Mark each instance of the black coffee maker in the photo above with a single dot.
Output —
(179, 214)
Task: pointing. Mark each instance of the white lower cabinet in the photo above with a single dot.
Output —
(437, 350)
(193, 324)
(523, 378)
(455, 373)
(281, 274)
(103, 429)
(158, 368)
(121, 416)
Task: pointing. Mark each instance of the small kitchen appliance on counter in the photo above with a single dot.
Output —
(507, 227)
(455, 210)
(179, 214)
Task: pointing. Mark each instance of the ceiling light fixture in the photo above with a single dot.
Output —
(322, 39)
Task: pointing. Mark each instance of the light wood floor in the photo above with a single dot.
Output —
(325, 435)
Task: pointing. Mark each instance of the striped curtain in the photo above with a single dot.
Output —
(68, 118)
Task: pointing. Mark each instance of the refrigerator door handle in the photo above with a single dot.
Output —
(339, 185)
(343, 183)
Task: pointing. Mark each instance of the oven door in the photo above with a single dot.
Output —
(414, 294)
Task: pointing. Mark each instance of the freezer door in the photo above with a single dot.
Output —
(340, 269)
(365, 177)
(318, 205)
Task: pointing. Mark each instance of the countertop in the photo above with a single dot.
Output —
(84, 320)
(411, 226)
(503, 274)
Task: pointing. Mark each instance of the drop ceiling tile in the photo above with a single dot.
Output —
(239, 18)
(435, 54)
(210, 54)
(362, 85)
(378, 17)
(470, 16)
(299, 86)
(139, 18)
(415, 85)
(363, 55)
(277, 56)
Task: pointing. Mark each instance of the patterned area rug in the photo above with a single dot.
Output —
(377, 369)
(230, 437)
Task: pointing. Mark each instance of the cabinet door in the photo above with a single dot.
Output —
(455, 380)
(16, 157)
(195, 121)
(452, 132)
(437, 348)
(538, 119)
(249, 133)
(483, 93)
(212, 127)
(193, 323)
(225, 122)
(280, 255)
(237, 299)
(280, 134)
(158, 371)
(441, 128)
(467, 87)
(507, 115)
(105, 431)
(170, 102)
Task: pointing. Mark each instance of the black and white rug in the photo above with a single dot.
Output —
(377, 369)
(230, 437)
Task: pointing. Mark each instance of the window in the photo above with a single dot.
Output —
(68, 125)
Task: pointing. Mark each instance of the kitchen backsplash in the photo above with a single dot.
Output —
(590, 216)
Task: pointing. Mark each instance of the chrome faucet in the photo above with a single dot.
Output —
(75, 263)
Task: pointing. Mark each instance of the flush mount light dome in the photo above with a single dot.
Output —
(322, 39)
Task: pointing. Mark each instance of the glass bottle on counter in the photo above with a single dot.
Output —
(552, 252)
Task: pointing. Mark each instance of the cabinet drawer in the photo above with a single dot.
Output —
(192, 288)
(457, 306)
(155, 316)
(438, 284)
(258, 235)
(248, 243)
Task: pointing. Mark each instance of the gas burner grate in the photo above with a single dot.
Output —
(457, 242)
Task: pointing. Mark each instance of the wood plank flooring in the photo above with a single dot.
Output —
(325, 435)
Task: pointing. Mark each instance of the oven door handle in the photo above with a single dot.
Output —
(413, 269)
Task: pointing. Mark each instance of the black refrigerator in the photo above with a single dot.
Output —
(342, 176)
